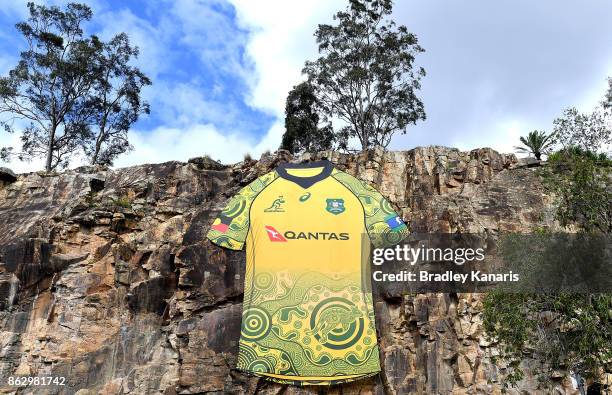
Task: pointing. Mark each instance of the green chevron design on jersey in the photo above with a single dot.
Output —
(230, 228)
(377, 211)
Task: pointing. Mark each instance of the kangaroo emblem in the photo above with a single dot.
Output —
(275, 207)
(333, 317)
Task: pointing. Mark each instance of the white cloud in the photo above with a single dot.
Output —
(12, 140)
(197, 121)
(267, 53)
(504, 139)
(165, 144)
(150, 39)
(480, 89)
(185, 104)
(593, 96)
(527, 68)
(281, 39)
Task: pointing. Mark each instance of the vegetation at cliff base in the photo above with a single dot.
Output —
(566, 331)
(581, 181)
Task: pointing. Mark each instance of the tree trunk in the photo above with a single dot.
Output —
(94, 157)
(50, 148)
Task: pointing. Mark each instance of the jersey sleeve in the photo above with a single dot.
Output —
(384, 226)
(231, 227)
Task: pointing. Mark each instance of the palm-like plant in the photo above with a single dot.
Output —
(536, 143)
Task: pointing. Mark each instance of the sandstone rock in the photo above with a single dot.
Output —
(205, 162)
(528, 162)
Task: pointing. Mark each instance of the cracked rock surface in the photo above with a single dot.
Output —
(106, 277)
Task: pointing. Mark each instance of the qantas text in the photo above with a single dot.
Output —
(277, 236)
(291, 235)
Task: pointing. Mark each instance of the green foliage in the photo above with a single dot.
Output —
(579, 174)
(607, 102)
(365, 76)
(566, 331)
(581, 179)
(123, 201)
(46, 88)
(536, 143)
(114, 102)
(66, 85)
(588, 131)
(566, 154)
(307, 130)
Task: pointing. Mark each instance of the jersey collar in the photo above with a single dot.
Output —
(305, 182)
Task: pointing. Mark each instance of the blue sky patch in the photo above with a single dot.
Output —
(195, 57)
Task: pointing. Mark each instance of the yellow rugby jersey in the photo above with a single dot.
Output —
(307, 313)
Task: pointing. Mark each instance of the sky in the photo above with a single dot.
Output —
(221, 69)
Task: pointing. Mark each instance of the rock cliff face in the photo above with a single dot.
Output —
(106, 277)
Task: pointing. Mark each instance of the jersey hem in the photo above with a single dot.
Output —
(229, 247)
(307, 381)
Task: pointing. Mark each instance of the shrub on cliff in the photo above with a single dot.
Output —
(566, 331)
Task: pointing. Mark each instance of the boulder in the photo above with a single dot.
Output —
(7, 175)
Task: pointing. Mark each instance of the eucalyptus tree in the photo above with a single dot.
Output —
(307, 129)
(115, 102)
(366, 75)
(70, 93)
(44, 94)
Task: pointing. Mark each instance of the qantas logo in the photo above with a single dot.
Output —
(274, 235)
